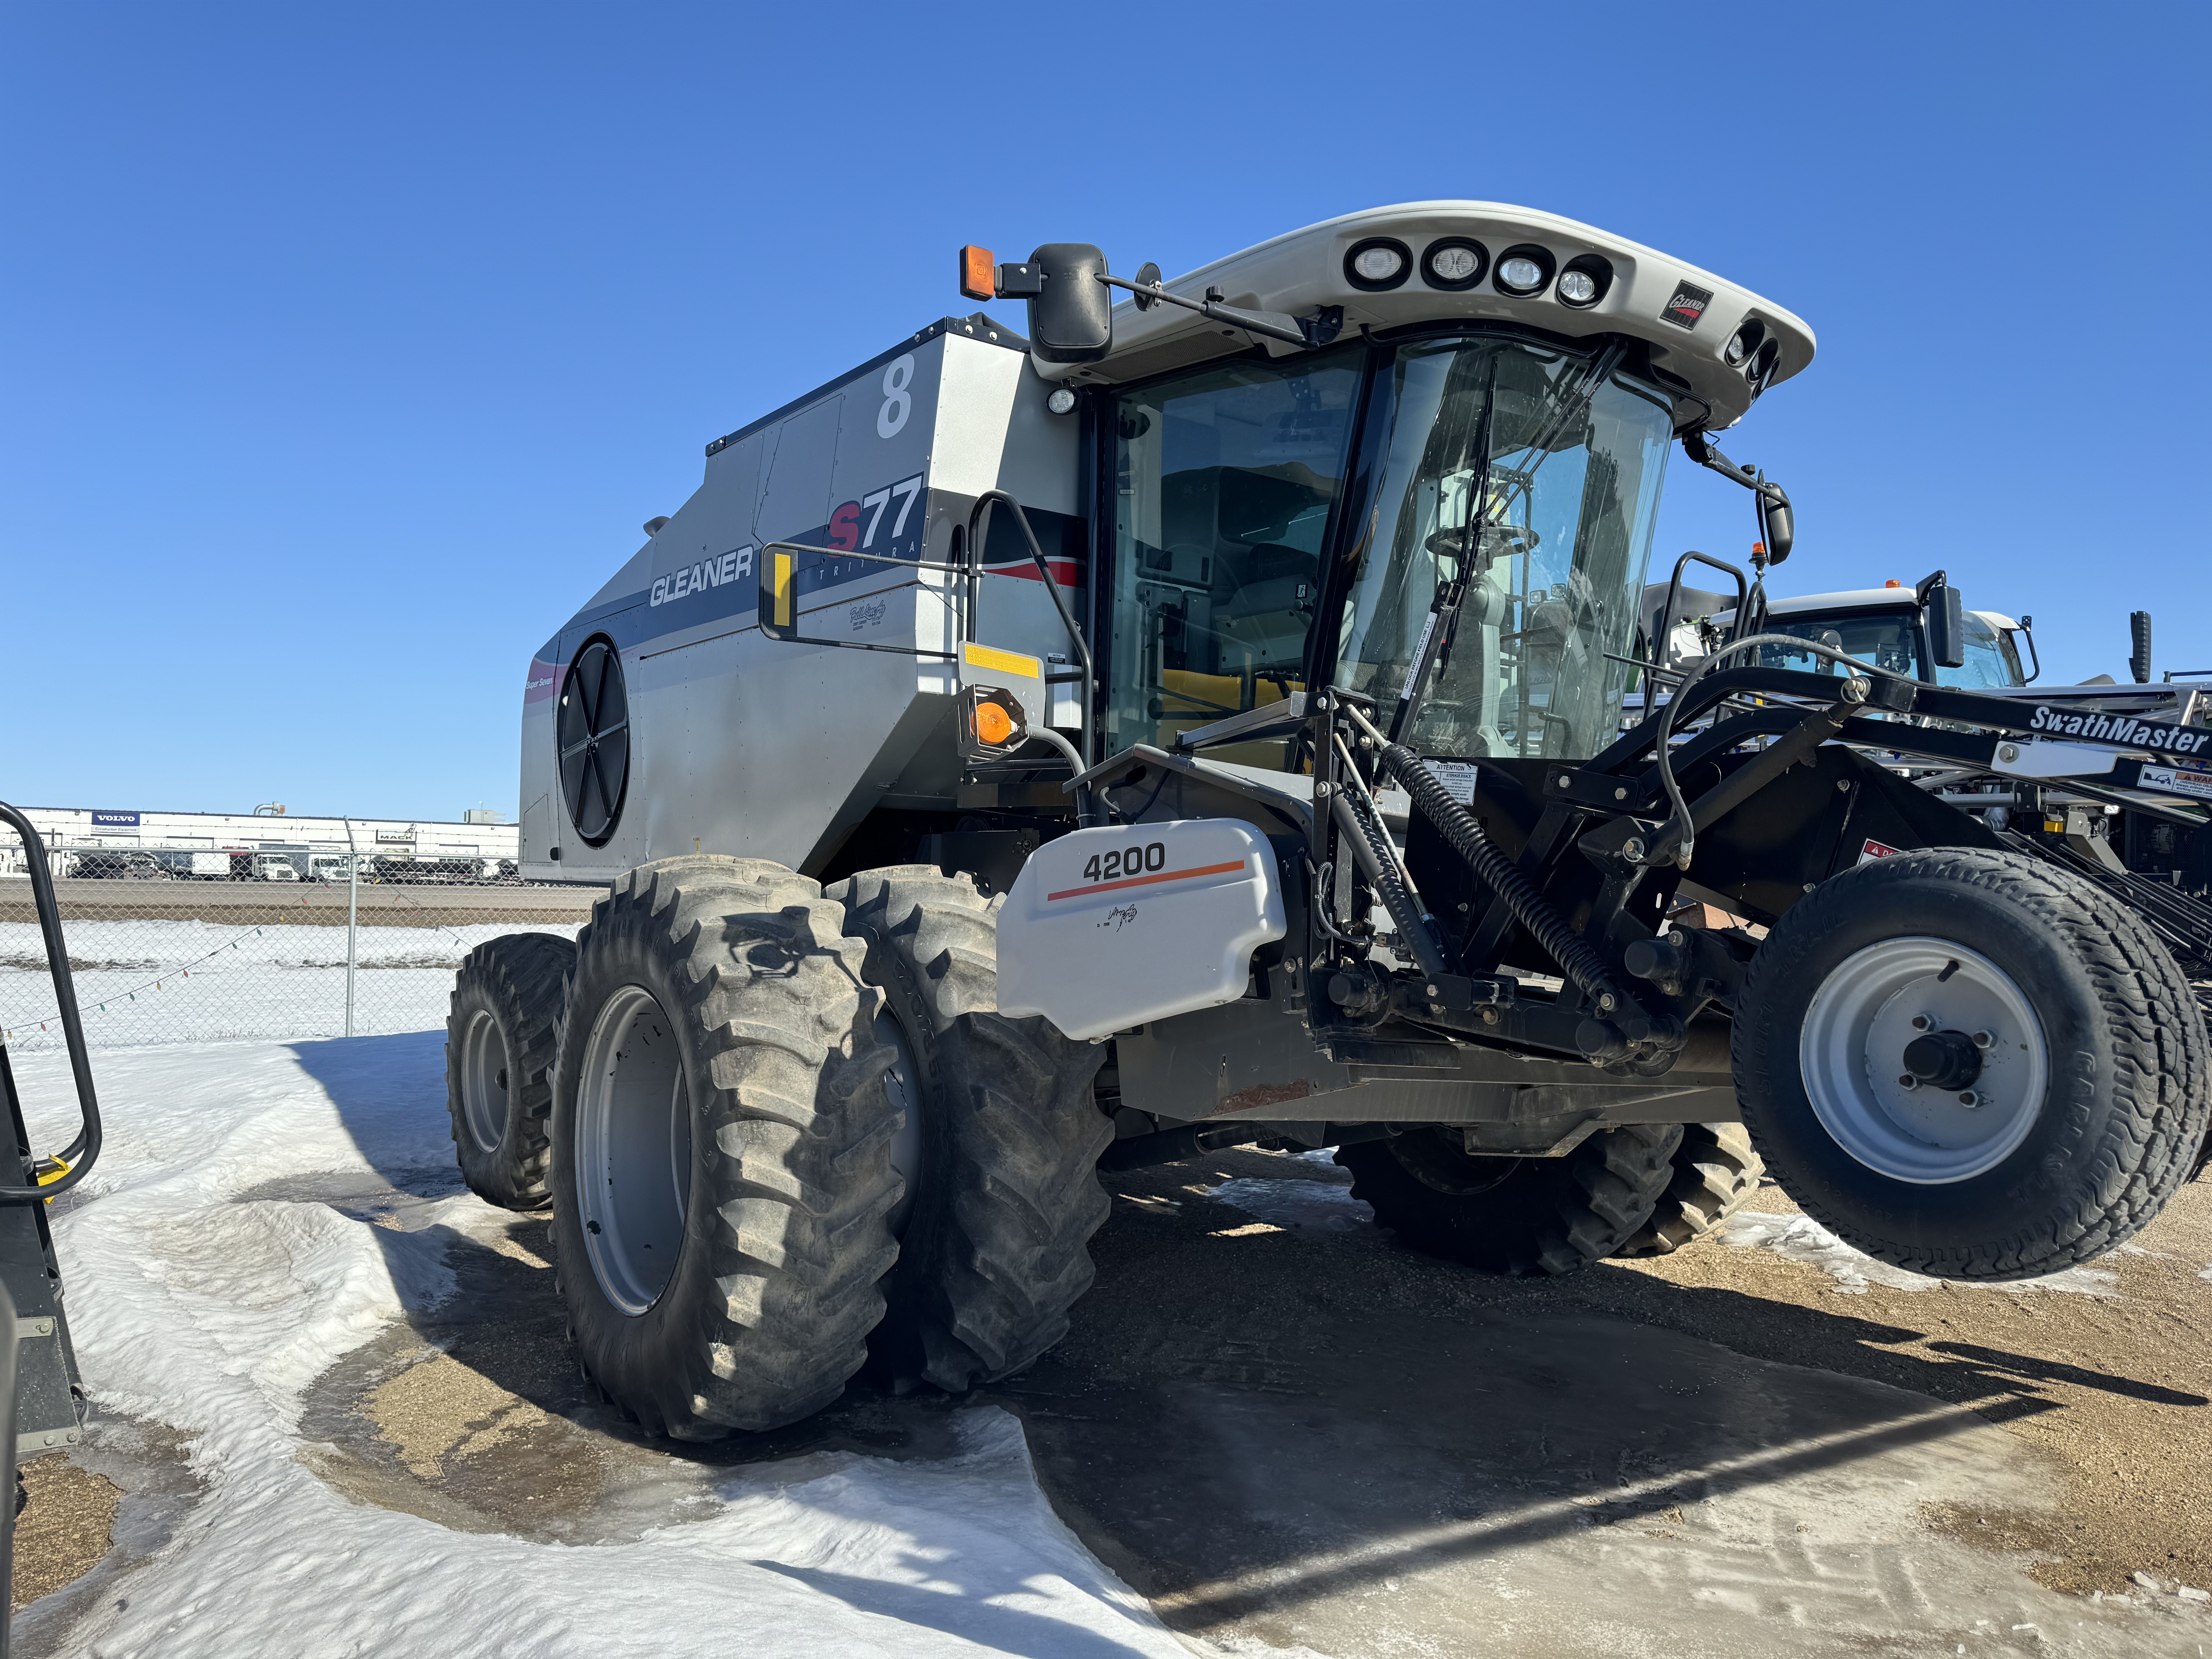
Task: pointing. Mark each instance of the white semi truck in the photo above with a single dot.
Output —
(1199, 721)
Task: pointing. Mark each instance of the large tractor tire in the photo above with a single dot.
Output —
(1971, 1065)
(500, 1036)
(722, 1132)
(1716, 1171)
(1525, 1215)
(1002, 1144)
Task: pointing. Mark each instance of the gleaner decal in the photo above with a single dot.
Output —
(734, 566)
(2123, 731)
(1688, 305)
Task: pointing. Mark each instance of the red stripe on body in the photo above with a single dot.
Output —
(1146, 881)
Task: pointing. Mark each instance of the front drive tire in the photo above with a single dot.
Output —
(1715, 1173)
(2088, 1097)
(994, 1236)
(499, 1037)
(722, 1169)
(1516, 1215)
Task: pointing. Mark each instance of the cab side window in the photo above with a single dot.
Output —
(1224, 483)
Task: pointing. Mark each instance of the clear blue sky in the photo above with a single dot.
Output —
(346, 347)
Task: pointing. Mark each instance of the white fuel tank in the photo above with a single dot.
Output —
(1108, 928)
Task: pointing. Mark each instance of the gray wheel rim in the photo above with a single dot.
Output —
(484, 1090)
(902, 1089)
(1851, 1055)
(633, 1146)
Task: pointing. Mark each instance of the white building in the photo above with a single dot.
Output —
(241, 846)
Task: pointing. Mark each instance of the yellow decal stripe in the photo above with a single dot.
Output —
(1004, 662)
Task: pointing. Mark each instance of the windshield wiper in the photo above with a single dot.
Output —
(1441, 627)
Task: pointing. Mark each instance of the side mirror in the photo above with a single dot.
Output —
(1776, 527)
(2139, 636)
(1071, 315)
(1071, 309)
(1945, 615)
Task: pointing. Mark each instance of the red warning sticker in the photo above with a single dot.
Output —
(1874, 849)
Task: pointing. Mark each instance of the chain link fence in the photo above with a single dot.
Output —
(164, 957)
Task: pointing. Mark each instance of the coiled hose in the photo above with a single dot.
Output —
(1504, 877)
(1370, 845)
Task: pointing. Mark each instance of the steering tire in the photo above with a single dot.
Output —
(1971, 1065)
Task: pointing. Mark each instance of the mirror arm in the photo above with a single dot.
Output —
(1771, 495)
(1699, 449)
(1307, 331)
(1696, 446)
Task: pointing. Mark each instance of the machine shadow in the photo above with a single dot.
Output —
(1239, 1417)
(390, 1093)
(1244, 1420)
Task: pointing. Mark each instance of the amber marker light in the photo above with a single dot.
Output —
(979, 273)
(993, 722)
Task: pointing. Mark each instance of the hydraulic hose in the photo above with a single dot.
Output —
(1381, 869)
(1504, 877)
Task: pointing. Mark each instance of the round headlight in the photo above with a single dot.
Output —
(1452, 263)
(1061, 402)
(1455, 265)
(1743, 343)
(1378, 263)
(1587, 279)
(1524, 273)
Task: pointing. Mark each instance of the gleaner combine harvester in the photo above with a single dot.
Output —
(1199, 723)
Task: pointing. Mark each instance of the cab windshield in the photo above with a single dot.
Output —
(1539, 467)
(1991, 661)
(1890, 639)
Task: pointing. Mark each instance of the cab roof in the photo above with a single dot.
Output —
(1852, 599)
(1688, 316)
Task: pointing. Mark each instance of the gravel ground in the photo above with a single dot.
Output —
(65, 1526)
(2115, 1390)
(1296, 1435)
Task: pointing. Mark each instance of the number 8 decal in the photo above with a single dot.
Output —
(898, 402)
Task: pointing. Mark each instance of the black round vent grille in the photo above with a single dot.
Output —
(594, 736)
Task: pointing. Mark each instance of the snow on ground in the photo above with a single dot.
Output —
(1801, 1238)
(196, 1305)
(157, 981)
(1293, 1205)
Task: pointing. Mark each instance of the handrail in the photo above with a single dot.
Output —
(84, 1151)
(979, 518)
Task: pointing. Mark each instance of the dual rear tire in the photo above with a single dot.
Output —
(789, 1130)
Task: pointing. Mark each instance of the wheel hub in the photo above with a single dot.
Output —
(633, 1149)
(483, 1081)
(1943, 1060)
(1925, 1060)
